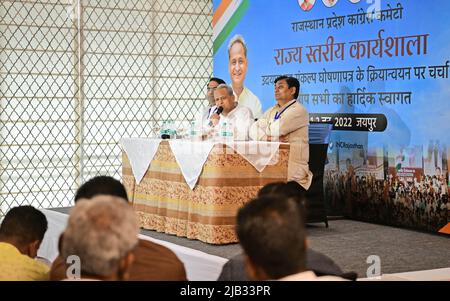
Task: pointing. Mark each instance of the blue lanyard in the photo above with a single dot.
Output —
(278, 115)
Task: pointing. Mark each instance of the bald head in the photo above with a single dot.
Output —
(101, 231)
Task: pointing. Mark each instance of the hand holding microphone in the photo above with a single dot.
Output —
(214, 120)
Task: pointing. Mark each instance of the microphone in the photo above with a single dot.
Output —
(218, 111)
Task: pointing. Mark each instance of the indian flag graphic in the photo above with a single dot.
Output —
(225, 18)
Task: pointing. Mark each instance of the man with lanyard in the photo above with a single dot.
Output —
(287, 121)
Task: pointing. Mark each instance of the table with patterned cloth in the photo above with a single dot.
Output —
(164, 201)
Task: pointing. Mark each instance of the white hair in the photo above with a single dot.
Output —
(237, 39)
(100, 231)
(228, 88)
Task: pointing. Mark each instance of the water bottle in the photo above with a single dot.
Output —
(172, 130)
(193, 130)
(226, 131)
(165, 130)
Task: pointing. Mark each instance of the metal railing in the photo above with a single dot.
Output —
(77, 76)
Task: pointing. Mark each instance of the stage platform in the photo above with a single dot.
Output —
(347, 242)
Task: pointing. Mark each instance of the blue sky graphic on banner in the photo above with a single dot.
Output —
(267, 27)
(388, 57)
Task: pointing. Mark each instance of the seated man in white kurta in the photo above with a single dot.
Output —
(238, 117)
(287, 121)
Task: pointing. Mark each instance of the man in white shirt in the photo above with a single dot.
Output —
(237, 67)
(238, 117)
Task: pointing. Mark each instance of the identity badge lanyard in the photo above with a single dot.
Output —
(278, 114)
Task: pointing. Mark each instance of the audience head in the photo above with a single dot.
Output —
(271, 188)
(272, 233)
(291, 189)
(102, 232)
(286, 88)
(24, 227)
(225, 98)
(101, 185)
(212, 85)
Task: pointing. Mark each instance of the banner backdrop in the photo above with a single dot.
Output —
(378, 71)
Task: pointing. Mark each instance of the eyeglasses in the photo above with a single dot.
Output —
(211, 89)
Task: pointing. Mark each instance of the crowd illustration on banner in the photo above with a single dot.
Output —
(402, 189)
(420, 204)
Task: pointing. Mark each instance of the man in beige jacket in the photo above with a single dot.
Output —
(287, 121)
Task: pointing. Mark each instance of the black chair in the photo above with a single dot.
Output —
(319, 135)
